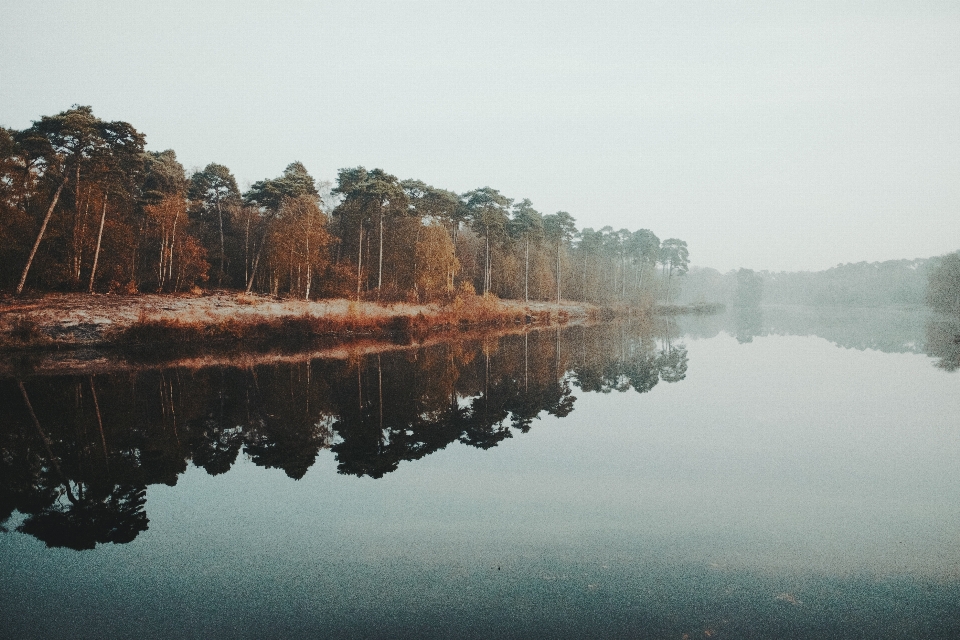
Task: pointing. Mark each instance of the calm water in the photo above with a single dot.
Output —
(784, 473)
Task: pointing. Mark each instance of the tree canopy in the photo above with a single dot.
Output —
(84, 206)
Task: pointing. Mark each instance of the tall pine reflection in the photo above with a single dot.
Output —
(77, 453)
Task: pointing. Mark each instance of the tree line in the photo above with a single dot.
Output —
(861, 284)
(85, 207)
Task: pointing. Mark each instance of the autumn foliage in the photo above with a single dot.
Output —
(85, 207)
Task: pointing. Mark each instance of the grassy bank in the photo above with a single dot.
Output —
(222, 320)
(225, 319)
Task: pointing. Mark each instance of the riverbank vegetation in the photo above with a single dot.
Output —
(85, 208)
(222, 320)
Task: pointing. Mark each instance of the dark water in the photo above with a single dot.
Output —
(777, 473)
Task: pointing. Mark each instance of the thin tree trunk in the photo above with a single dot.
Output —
(359, 260)
(173, 244)
(526, 274)
(623, 285)
(380, 270)
(486, 271)
(583, 287)
(96, 253)
(256, 263)
(163, 252)
(309, 274)
(79, 228)
(43, 228)
(45, 439)
(96, 405)
(220, 275)
(76, 211)
(246, 249)
(558, 273)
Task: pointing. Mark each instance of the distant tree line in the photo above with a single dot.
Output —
(861, 284)
(84, 207)
(943, 290)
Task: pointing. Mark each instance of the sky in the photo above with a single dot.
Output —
(768, 135)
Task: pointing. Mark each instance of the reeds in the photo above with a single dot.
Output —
(304, 328)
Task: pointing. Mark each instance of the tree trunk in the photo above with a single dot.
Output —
(103, 438)
(43, 228)
(256, 263)
(173, 244)
(526, 274)
(246, 248)
(380, 269)
(79, 229)
(76, 221)
(623, 285)
(359, 260)
(220, 275)
(306, 295)
(96, 253)
(486, 269)
(558, 273)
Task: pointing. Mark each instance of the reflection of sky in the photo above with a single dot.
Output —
(786, 452)
(889, 329)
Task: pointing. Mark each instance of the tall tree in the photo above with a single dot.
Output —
(61, 144)
(432, 205)
(214, 189)
(487, 211)
(527, 226)
(118, 170)
(559, 229)
(268, 196)
(645, 251)
(368, 195)
(674, 257)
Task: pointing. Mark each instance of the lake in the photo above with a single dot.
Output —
(764, 473)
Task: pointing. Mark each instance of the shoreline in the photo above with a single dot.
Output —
(74, 320)
(161, 325)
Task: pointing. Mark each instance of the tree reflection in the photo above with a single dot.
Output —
(943, 342)
(77, 454)
(91, 515)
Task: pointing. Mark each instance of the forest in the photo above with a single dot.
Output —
(84, 207)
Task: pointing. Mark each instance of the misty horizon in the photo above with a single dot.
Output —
(787, 138)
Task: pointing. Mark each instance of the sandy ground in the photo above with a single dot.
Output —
(75, 319)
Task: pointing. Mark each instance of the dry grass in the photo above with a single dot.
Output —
(25, 332)
(222, 319)
(300, 326)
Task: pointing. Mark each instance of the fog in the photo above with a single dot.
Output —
(772, 137)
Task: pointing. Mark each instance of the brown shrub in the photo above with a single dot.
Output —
(26, 332)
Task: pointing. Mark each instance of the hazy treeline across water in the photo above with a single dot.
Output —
(934, 281)
(81, 450)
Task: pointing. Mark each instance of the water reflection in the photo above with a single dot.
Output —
(79, 451)
(885, 329)
(943, 342)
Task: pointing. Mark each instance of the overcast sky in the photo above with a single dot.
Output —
(768, 135)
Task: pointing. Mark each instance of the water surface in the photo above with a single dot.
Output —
(715, 477)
